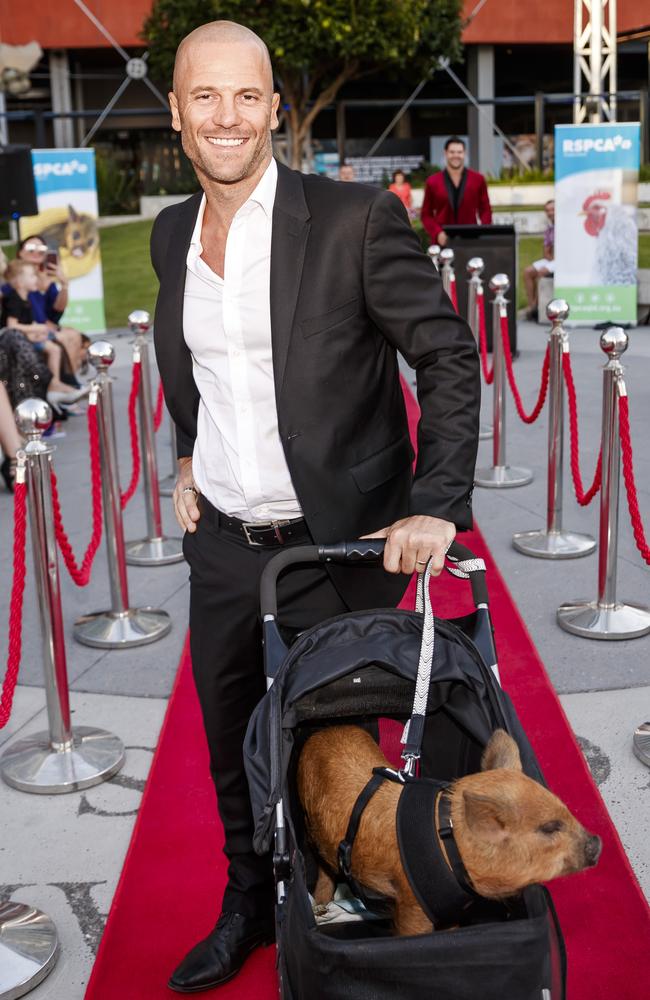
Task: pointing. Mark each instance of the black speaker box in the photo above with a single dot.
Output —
(497, 245)
(17, 191)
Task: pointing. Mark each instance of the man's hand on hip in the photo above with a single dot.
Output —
(411, 541)
(185, 496)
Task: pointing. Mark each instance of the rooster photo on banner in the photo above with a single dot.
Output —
(66, 190)
(596, 236)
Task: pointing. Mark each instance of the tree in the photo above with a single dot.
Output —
(318, 45)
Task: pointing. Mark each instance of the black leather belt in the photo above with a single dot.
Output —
(263, 534)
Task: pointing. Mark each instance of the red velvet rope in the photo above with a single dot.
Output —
(583, 498)
(16, 604)
(628, 476)
(81, 574)
(528, 418)
(133, 430)
(488, 373)
(453, 294)
(158, 412)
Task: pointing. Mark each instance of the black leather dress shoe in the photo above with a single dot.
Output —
(221, 955)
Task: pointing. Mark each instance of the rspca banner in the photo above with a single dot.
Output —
(596, 237)
(66, 190)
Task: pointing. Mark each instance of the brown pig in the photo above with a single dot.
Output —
(510, 831)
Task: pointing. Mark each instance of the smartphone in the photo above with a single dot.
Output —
(52, 259)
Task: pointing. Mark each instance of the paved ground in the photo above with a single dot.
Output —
(64, 853)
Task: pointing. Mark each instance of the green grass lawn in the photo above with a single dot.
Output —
(130, 283)
(129, 279)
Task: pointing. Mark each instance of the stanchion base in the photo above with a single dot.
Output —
(553, 544)
(590, 620)
(29, 948)
(641, 743)
(136, 627)
(166, 489)
(32, 765)
(154, 551)
(485, 431)
(501, 477)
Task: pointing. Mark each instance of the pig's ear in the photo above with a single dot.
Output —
(501, 751)
(486, 815)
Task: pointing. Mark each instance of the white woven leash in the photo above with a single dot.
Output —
(423, 680)
(463, 567)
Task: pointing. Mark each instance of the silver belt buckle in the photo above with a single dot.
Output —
(247, 526)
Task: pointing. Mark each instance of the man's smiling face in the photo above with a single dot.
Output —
(225, 109)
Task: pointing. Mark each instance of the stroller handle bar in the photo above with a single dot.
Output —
(363, 550)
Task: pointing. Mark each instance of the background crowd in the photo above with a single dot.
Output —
(39, 358)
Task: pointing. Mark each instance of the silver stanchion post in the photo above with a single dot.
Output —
(156, 549)
(122, 626)
(607, 618)
(475, 267)
(29, 948)
(166, 485)
(500, 475)
(641, 743)
(554, 542)
(63, 759)
(434, 255)
(447, 260)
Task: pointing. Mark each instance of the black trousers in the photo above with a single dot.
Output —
(226, 647)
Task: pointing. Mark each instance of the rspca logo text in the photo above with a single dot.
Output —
(601, 144)
(60, 169)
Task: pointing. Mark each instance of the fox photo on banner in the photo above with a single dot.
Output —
(66, 190)
(596, 237)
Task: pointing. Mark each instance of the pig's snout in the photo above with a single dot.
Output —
(592, 849)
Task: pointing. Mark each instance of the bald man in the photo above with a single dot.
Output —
(283, 301)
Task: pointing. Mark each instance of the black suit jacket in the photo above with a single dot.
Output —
(350, 286)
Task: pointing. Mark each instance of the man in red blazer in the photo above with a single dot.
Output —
(455, 195)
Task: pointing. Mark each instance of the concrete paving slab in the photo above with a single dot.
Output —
(604, 722)
(28, 704)
(64, 853)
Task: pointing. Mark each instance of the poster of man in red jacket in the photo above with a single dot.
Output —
(455, 196)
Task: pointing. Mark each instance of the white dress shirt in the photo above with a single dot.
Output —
(238, 461)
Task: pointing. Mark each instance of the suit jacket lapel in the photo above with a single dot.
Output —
(170, 343)
(291, 227)
(175, 266)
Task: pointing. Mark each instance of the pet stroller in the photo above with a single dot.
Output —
(359, 668)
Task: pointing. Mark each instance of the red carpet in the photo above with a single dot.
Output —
(169, 892)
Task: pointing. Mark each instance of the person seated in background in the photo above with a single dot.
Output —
(16, 314)
(455, 196)
(49, 301)
(401, 187)
(542, 268)
(10, 440)
(346, 172)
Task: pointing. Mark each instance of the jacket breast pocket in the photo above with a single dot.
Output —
(379, 468)
(319, 324)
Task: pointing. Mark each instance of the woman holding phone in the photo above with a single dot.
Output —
(51, 298)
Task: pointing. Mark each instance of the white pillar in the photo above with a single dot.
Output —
(61, 97)
(480, 124)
